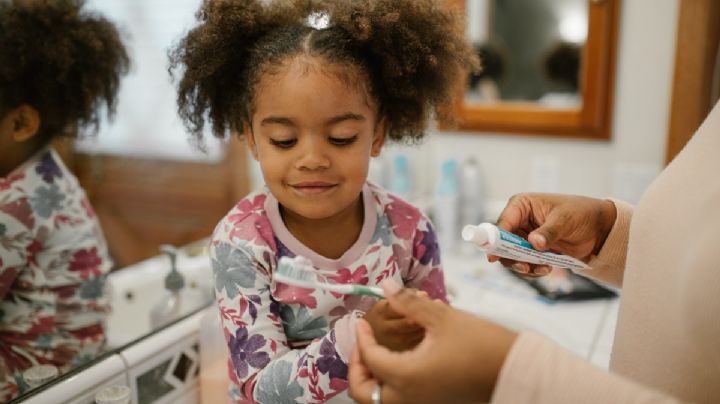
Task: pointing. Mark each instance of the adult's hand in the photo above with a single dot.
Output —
(571, 225)
(458, 360)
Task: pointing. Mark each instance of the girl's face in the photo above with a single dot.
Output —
(314, 135)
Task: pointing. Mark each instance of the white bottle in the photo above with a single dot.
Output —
(39, 375)
(472, 198)
(113, 395)
(447, 199)
(472, 206)
(214, 379)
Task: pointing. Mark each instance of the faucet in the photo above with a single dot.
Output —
(174, 281)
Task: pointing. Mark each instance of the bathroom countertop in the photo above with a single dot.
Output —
(487, 290)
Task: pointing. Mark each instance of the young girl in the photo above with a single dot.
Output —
(315, 102)
(58, 66)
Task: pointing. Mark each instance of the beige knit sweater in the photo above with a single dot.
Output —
(667, 341)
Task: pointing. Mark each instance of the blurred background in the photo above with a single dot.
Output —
(577, 96)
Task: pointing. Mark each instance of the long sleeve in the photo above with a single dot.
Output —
(16, 238)
(257, 330)
(292, 344)
(425, 271)
(609, 265)
(538, 371)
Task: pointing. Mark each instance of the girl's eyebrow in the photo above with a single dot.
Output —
(281, 120)
(345, 117)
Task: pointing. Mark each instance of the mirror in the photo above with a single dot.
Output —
(147, 185)
(548, 67)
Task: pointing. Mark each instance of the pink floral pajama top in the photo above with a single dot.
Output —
(290, 344)
(53, 265)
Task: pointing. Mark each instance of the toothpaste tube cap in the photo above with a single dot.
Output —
(475, 234)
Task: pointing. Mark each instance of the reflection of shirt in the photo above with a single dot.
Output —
(264, 321)
(53, 263)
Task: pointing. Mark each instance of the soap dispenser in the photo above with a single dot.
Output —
(177, 299)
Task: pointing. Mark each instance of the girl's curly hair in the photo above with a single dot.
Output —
(412, 54)
(61, 60)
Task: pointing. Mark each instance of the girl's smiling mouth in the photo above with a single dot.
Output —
(313, 187)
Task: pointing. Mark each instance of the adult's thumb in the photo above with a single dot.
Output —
(421, 310)
(548, 233)
(381, 361)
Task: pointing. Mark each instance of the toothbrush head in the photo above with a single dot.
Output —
(299, 272)
(296, 271)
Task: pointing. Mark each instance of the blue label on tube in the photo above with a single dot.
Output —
(515, 239)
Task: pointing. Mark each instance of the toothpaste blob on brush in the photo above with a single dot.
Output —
(299, 272)
(496, 241)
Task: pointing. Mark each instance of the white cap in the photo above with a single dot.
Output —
(40, 374)
(113, 395)
(475, 234)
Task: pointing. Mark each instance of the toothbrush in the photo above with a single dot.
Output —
(299, 272)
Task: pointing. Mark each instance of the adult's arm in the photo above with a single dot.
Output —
(539, 371)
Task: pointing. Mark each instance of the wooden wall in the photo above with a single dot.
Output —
(698, 37)
(142, 203)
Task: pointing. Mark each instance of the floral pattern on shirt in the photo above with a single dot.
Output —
(53, 266)
(284, 341)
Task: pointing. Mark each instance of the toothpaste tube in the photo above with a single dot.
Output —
(496, 241)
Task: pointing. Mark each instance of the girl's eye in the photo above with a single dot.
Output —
(343, 141)
(283, 144)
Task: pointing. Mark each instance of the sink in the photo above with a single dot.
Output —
(136, 289)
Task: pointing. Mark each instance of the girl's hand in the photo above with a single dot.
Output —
(458, 361)
(392, 330)
(572, 225)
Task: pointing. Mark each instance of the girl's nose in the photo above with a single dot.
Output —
(312, 156)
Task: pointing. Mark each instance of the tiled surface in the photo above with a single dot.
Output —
(489, 292)
(151, 384)
(163, 368)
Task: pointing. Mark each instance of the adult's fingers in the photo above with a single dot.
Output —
(527, 269)
(541, 270)
(418, 309)
(402, 326)
(513, 215)
(387, 311)
(361, 380)
(382, 362)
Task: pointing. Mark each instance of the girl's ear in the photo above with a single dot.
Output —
(25, 123)
(250, 138)
(378, 137)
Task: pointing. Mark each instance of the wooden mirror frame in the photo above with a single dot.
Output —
(591, 120)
